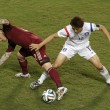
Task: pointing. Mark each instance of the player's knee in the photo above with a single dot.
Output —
(20, 57)
(46, 66)
(56, 65)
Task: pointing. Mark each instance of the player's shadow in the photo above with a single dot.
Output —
(95, 77)
(96, 101)
(88, 74)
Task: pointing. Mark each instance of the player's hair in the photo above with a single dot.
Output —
(77, 22)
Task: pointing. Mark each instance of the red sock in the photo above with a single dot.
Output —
(55, 76)
(24, 66)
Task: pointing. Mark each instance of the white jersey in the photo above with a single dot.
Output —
(80, 40)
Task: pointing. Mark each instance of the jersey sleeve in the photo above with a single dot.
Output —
(94, 27)
(63, 32)
(11, 46)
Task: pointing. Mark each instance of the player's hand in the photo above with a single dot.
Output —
(34, 47)
(5, 57)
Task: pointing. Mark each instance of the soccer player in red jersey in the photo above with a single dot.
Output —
(19, 36)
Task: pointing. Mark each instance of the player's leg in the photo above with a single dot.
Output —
(45, 74)
(23, 63)
(91, 56)
(65, 54)
(61, 58)
(103, 71)
(55, 77)
(45, 63)
(43, 77)
(53, 73)
(58, 62)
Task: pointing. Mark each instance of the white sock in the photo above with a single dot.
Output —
(104, 72)
(43, 76)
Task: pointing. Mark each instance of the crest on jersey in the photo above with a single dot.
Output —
(86, 34)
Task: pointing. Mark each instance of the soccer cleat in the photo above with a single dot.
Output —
(23, 75)
(61, 91)
(34, 85)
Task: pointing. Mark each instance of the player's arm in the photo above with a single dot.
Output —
(2, 36)
(6, 55)
(44, 42)
(105, 31)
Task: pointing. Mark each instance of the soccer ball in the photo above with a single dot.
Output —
(49, 96)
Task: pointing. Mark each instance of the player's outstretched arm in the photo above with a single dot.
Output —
(4, 21)
(105, 31)
(5, 57)
(2, 36)
(44, 42)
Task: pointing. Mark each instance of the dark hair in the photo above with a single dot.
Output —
(77, 22)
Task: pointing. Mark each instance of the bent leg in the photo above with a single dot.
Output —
(55, 77)
(65, 54)
(53, 73)
(59, 61)
(49, 70)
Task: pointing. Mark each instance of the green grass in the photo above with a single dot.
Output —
(87, 89)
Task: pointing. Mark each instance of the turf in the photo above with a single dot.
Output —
(87, 89)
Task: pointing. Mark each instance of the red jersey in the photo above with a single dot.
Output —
(23, 38)
(19, 36)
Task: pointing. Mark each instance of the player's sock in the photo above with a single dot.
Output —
(55, 76)
(24, 66)
(43, 77)
(104, 72)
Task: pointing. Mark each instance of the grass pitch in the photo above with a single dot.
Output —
(87, 89)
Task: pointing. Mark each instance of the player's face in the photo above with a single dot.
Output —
(77, 30)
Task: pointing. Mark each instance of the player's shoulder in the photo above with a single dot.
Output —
(91, 26)
(87, 25)
(68, 27)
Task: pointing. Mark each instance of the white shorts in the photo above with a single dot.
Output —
(85, 52)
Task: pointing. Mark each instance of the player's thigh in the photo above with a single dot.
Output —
(20, 56)
(40, 56)
(65, 54)
(23, 53)
(61, 58)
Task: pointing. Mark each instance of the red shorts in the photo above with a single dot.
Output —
(40, 55)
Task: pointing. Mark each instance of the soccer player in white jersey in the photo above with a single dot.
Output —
(77, 33)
